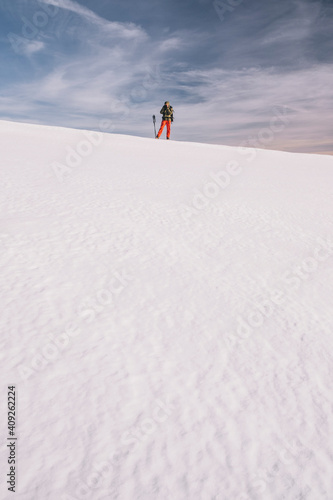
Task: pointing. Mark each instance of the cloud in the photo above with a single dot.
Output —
(24, 46)
(76, 8)
(232, 106)
(281, 34)
(105, 68)
(33, 47)
(123, 30)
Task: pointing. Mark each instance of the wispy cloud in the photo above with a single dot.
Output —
(76, 8)
(245, 102)
(123, 30)
(27, 47)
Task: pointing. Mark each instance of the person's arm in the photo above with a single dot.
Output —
(162, 111)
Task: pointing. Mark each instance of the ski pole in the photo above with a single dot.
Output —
(154, 121)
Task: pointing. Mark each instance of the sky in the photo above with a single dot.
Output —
(237, 72)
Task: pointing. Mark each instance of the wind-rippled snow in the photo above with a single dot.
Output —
(170, 338)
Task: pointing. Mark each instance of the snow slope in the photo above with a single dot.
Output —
(167, 318)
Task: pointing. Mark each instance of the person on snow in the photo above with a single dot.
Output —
(167, 118)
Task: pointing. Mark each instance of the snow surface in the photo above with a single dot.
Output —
(170, 337)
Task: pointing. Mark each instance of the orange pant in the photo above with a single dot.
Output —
(168, 124)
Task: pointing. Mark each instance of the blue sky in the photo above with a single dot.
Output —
(237, 72)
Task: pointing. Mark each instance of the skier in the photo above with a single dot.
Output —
(167, 118)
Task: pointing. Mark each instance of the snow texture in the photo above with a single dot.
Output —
(167, 318)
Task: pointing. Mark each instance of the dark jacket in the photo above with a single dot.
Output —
(167, 113)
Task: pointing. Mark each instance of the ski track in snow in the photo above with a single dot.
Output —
(152, 392)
